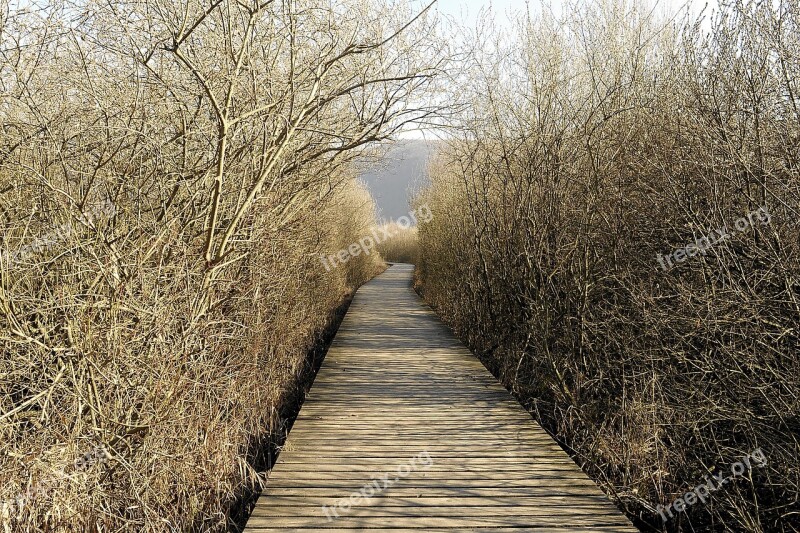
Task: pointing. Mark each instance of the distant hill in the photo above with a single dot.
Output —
(401, 171)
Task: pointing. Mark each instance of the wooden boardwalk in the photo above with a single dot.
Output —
(400, 401)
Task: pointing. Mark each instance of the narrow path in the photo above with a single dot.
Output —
(400, 401)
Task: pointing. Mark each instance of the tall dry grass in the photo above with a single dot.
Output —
(588, 145)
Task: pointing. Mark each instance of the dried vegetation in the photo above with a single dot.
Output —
(587, 145)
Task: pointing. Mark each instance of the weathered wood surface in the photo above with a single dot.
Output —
(395, 385)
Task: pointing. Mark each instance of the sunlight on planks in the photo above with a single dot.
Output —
(400, 402)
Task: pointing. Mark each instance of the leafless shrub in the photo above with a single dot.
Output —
(590, 145)
(402, 246)
(169, 329)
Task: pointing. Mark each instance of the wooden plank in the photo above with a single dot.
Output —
(348, 486)
(299, 472)
(430, 511)
(353, 465)
(456, 502)
(355, 520)
(404, 429)
(333, 494)
(577, 529)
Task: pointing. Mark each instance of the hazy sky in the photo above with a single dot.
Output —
(465, 12)
(468, 9)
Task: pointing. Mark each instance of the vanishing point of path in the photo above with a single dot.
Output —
(400, 400)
